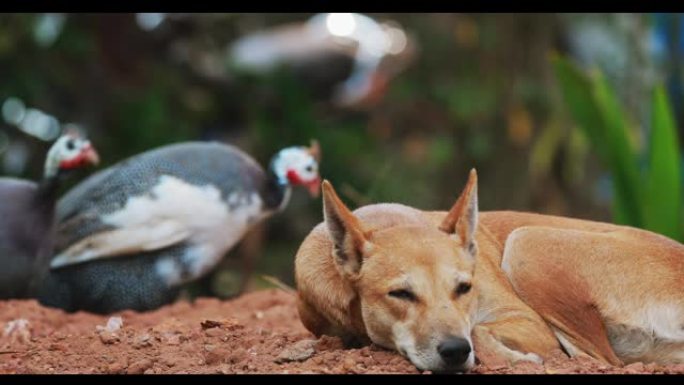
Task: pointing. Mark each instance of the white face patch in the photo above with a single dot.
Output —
(65, 148)
(298, 160)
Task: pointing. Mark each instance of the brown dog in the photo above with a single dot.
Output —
(430, 284)
(422, 283)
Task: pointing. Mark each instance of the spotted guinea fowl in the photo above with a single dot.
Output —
(27, 212)
(131, 235)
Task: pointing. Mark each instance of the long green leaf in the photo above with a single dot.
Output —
(622, 156)
(577, 91)
(596, 111)
(663, 190)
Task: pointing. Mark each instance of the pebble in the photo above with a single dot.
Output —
(238, 355)
(139, 367)
(113, 324)
(116, 368)
(215, 356)
(214, 332)
(142, 341)
(349, 364)
(108, 338)
(300, 351)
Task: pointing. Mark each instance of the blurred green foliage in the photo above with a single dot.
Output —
(648, 197)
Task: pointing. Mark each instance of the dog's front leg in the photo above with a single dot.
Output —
(494, 346)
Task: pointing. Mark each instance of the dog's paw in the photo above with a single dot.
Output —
(530, 357)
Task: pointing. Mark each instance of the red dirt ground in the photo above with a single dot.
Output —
(259, 332)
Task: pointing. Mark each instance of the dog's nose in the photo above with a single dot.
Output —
(454, 350)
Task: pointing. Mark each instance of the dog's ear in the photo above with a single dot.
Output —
(462, 218)
(350, 242)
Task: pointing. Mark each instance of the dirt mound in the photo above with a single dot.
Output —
(259, 332)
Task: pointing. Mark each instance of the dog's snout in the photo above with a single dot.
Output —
(454, 350)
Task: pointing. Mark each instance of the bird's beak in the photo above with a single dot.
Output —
(91, 156)
(314, 187)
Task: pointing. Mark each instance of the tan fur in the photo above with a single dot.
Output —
(617, 293)
(612, 292)
(394, 242)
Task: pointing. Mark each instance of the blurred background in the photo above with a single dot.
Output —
(576, 115)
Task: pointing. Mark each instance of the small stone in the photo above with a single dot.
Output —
(223, 369)
(115, 368)
(113, 324)
(215, 355)
(142, 341)
(300, 351)
(139, 367)
(214, 332)
(228, 324)
(349, 364)
(18, 330)
(168, 332)
(237, 356)
(149, 371)
(108, 338)
(173, 339)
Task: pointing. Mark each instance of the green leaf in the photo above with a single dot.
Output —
(622, 157)
(577, 90)
(662, 204)
(597, 112)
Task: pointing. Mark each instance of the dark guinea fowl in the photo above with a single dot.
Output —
(27, 212)
(131, 235)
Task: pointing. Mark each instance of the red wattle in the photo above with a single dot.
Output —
(75, 162)
(293, 177)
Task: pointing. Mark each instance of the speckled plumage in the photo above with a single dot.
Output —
(109, 285)
(132, 281)
(199, 163)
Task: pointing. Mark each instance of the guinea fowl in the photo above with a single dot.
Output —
(27, 212)
(130, 236)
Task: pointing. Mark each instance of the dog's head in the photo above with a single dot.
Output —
(415, 283)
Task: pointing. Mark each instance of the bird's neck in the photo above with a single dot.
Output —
(48, 188)
(276, 193)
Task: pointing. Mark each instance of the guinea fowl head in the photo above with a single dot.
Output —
(70, 151)
(298, 165)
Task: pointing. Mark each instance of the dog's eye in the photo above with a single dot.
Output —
(403, 294)
(463, 288)
(70, 145)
